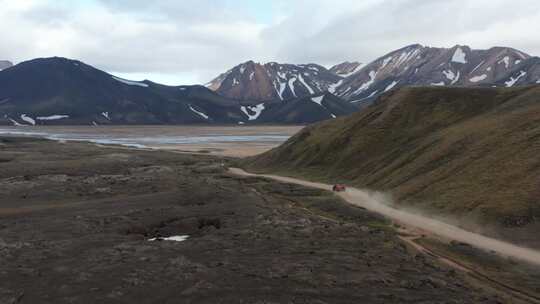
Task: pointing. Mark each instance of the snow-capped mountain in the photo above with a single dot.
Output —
(346, 69)
(273, 81)
(456, 66)
(60, 91)
(4, 64)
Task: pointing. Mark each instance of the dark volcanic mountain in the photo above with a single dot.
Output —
(273, 81)
(63, 91)
(4, 64)
(426, 66)
(468, 153)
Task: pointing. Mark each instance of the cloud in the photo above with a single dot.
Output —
(197, 39)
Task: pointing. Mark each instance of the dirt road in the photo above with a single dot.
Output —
(375, 203)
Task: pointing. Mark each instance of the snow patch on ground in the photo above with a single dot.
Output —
(251, 76)
(52, 117)
(391, 86)
(256, 109)
(28, 119)
(439, 84)
(478, 78)
(129, 82)
(174, 238)
(106, 115)
(459, 56)
(517, 62)
(513, 80)
(198, 112)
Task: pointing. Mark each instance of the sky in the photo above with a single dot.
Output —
(192, 41)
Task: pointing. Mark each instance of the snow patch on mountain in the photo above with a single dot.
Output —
(198, 112)
(318, 100)
(52, 117)
(106, 115)
(478, 78)
(257, 110)
(130, 82)
(28, 119)
(391, 86)
(459, 56)
(310, 90)
(512, 81)
(506, 61)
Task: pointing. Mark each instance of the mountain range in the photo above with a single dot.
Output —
(63, 91)
(413, 65)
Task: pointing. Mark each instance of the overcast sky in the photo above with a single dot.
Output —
(190, 41)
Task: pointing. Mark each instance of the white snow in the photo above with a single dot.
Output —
(332, 88)
(449, 74)
(257, 109)
(52, 117)
(438, 83)
(513, 80)
(282, 87)
(488, 69)
(358, 68)
(282, 75)
(318, 100)
(235, 82)
(129, 82)
(478, 78)
(174, 238)
(477, 66)
(106, 115)
(517, 62)
(386, 61)
(28, 119)
(251, 76)
(370, 95)
(15, 123)
(459, 56)
(198, 112)
(506, 61)
(538, 81)
(94, 124)
(242, 69)
(367, 84)
(291, 85)
(241, 123)
(311, 92)
(391, 86)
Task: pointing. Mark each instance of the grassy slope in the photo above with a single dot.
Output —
(471, 153)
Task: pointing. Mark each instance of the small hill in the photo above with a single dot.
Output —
(471, 154)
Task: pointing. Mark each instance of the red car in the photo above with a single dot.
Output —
(338, 188)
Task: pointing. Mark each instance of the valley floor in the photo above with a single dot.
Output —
(76, 219)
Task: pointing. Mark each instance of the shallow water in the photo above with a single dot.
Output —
(165, 137)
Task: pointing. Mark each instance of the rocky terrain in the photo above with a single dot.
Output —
(466, 155)
(4, 64)
(87, 224)
(59, 91)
